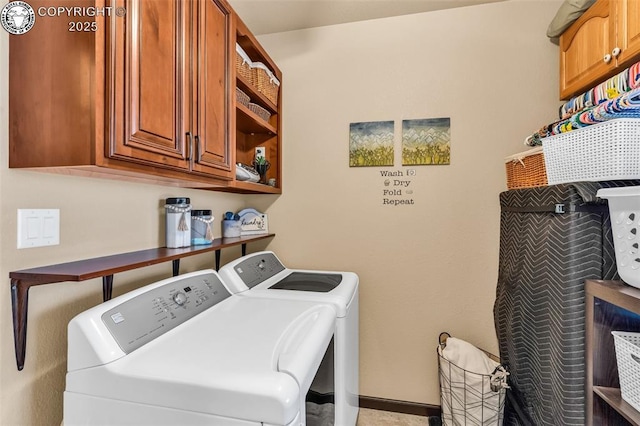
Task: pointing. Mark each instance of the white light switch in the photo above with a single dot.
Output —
(38, 227)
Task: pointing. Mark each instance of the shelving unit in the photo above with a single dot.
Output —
(251, 130)
(101, 267)
(610, 305)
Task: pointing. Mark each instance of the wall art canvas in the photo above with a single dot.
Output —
(426, 141)
(371, 144)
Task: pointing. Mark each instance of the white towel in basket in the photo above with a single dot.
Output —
(466, 356)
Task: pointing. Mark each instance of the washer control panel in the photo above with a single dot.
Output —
(258, 269)
(149, 315)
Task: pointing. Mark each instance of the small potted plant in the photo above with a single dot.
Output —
(261, 165)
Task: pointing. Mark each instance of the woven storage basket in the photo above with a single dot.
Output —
(261, 112)
(526, 169)
(266, 82)
(604, 151)
(244, 66)
(242, 97)
(628, 356)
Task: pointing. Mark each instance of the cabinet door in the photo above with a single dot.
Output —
(212, 91)
(149, 84)
(628, 31)
(583, 47)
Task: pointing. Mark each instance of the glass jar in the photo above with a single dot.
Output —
(201, 232)
(178, 219)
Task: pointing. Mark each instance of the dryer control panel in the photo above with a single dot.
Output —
(149, 315)
(258, 269)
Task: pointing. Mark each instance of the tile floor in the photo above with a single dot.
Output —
(368, 417)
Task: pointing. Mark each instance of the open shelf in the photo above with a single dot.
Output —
(614, 399)
(251, 131)
(254, 188)
(249, 122)
(256, 97)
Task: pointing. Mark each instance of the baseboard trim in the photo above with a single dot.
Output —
(396, 406)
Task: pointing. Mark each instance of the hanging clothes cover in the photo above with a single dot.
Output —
(552, 239)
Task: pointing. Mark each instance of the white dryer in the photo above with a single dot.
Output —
(185, 351)
(262, 275)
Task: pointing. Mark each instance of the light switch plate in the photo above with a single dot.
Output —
(38, 227)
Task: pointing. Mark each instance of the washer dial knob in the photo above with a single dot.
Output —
(180, 298)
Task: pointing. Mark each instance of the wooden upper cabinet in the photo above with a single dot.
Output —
(582, 49)
(150, 84)
(628, 31)
(212, 91)
(604, 40)
(171, 85)
(147, 96)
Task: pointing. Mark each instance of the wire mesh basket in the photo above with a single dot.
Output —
(469, 398)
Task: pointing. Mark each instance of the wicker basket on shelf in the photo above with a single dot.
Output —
(244, 66)
(259, 111)
(526, 169)
(266, 82)
(242, 97)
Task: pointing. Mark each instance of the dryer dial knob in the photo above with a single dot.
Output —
(180, 298)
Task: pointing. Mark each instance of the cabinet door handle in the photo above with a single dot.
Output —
(607, 58)
(615, 52)
(189, 146)
(198, 149)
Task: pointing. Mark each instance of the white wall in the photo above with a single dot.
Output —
(431, 266)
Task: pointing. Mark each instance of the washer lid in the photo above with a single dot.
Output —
(242, 352)
(307, 281)
(260, 274)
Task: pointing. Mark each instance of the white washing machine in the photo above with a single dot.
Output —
(185, 351)
(262, 275)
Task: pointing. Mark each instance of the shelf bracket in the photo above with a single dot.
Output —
(176, 267)
(217, 260)
(107, 287)
(19, 303)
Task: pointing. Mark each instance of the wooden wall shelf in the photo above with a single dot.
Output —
(105, 267)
